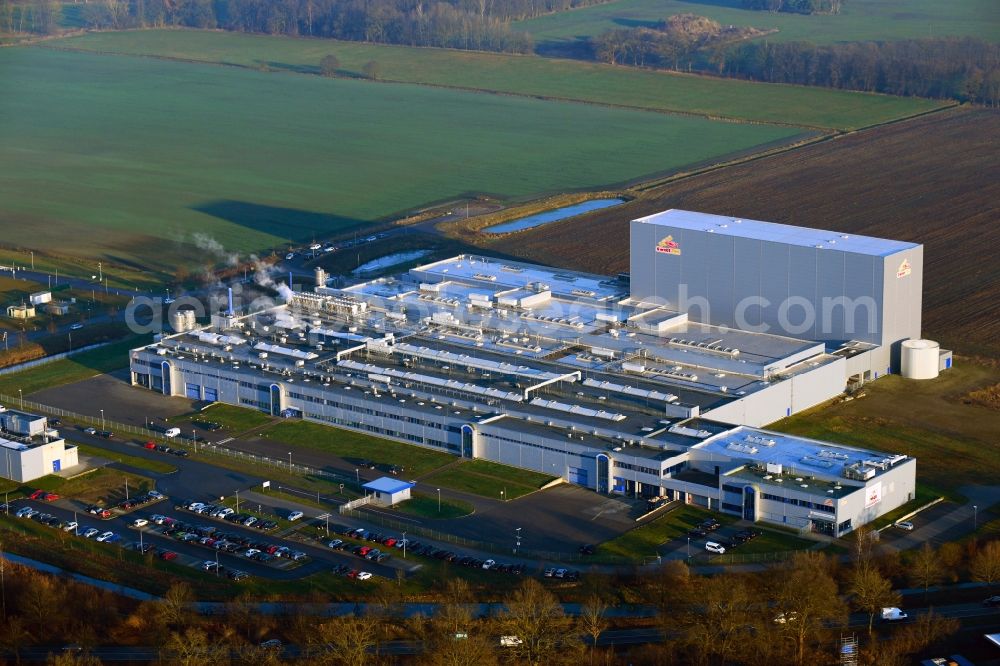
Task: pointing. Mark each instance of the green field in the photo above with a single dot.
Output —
(145, 153)
(859, 20)
(427, 506)
(73, 369)
(488, 479)
(233, 419)
(524, 75)
(157, 466)
(644, 540)
(354, 446)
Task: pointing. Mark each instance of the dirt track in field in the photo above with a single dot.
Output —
(933, 180)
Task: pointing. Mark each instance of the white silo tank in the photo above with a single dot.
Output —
(177, 321)
(920, 359)
(190, 321)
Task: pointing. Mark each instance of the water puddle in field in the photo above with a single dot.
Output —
(554, 215)
(390, 260)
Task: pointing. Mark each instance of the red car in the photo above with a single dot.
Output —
(389, 542)
(168, 555)
(37, 495)
(44, 496)
(150, 445)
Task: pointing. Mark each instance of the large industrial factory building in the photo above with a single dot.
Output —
(623, 387)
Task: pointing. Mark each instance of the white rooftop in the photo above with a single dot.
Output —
(779, 233)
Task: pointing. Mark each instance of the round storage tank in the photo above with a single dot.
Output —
(178, 321)
(920, 359)
(190, 321)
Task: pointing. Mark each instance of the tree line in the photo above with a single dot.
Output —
(966, 69)
(482, 25)
(790, 614)
(40, 17)
(795, 6)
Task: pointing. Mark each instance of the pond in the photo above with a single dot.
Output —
(554, 215)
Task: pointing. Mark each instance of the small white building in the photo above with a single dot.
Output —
(24, 460)
(40, 297)
(21, 311)
(22, 424)
(386, 491)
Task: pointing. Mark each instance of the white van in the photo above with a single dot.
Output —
(713, 547)
(171, 432)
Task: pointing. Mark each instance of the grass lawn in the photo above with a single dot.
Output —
(426, 506)
(81, 366)
(354, 446)
(230, 417)
(102, 486)
(773, 541)
(859, 20)
(157, 466)
(466, 479)
(643, 541)
(145, 154)
(524, 75)
(954, 442)
(924, 496)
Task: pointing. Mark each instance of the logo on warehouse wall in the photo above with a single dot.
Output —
(668, 246)
(904, 269)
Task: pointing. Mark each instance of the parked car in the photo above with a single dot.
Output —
(904, 525)
(295, 515)
(105, 537)
(992, 602)
(171, 432)
(90, 431)
(168, 555)
(489, 564)
(70, 526)
(140, 522)
(363, 575)
(150, 445)
(714, 547)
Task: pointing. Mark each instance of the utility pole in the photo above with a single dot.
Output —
(126, 487)
(100, 273)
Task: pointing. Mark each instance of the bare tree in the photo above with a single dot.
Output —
(372, 70)
(871, 592)
(593, 620)
(985, 565)
(329, 65)
(14, 635)
(72, 659)
(174, 610)
(535, 617)
(349, 638)
(926, 568)
(807, 602)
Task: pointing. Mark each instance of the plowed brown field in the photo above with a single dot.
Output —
(933, 180)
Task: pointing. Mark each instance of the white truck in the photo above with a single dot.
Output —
(893, 614)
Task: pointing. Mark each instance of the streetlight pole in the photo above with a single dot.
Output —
(404, 545)
(102, 419)
(20, 398)
(517, 539)
(289, 462)
(126, 487)
(357, 475)
(439, 500)
(689, 548)
(237, 501)
(975, 517)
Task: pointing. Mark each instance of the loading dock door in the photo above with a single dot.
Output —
(578, 475)
(193, 391)
(211, 394)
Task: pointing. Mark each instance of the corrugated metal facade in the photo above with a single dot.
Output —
(826, 294)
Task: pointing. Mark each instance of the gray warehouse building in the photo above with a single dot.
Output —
(615, 387)
(805, 283)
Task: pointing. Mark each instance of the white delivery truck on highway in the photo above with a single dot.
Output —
(893, 614)
(171, 432)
